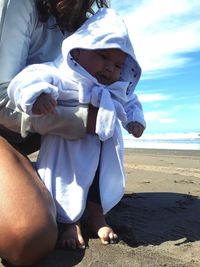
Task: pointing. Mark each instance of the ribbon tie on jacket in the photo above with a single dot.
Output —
(109, 109)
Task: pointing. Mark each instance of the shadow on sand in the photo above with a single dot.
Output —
(154, 218)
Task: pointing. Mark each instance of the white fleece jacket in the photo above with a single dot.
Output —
(68, 167)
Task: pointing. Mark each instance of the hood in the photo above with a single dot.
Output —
(105, 29)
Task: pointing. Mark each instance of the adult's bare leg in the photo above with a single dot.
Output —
(28, 229)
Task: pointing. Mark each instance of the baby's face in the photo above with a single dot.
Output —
(103, 64)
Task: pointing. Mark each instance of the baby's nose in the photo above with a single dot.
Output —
(109, 67)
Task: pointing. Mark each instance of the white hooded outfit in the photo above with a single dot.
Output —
(68, 167)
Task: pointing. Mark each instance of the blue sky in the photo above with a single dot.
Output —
(166, 40)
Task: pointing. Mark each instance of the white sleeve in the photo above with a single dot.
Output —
(17, 23)
(68, 122)
(134, 111)
(31, 82)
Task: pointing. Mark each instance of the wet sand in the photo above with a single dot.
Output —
(158, 219)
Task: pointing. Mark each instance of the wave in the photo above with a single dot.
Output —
(180, 141)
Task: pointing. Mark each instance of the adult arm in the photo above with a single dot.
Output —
(23, 91)
(17, 26)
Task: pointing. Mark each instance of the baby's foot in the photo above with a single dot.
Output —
(105, 233)
(72, 237)
(97, 224)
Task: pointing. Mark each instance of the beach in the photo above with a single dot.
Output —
(158, 219)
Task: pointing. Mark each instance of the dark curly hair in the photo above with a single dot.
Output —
(69, 14)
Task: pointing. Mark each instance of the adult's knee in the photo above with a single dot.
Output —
(29, 245)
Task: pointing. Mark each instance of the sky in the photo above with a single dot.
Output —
(166, 40)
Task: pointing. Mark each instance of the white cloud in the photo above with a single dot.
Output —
(163, 32)
(163, 117)
(153, 97)
(156, 136)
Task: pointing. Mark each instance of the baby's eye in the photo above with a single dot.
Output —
(118, 66)
(103, 56)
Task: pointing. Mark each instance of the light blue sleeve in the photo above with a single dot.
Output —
(17, 25)
(3, 6)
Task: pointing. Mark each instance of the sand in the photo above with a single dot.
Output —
(158, 219)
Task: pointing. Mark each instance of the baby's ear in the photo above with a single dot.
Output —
(75, 53)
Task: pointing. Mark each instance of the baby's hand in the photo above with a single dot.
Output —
(44, 104)
(135, 128)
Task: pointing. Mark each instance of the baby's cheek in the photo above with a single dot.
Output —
(116, 76)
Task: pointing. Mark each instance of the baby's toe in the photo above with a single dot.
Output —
(113, 238)
(81, 243)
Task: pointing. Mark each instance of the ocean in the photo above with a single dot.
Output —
(177, 141)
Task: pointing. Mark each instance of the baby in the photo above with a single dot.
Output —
(98, 67)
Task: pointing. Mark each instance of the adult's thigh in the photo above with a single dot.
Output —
(28, 228)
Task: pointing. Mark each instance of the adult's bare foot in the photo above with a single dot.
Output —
(97, 224)
(71, 237)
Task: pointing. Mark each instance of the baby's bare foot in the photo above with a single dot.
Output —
(106, 234)
(72, 237)
(97, 224)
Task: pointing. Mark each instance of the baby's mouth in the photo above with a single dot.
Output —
(102, 78)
